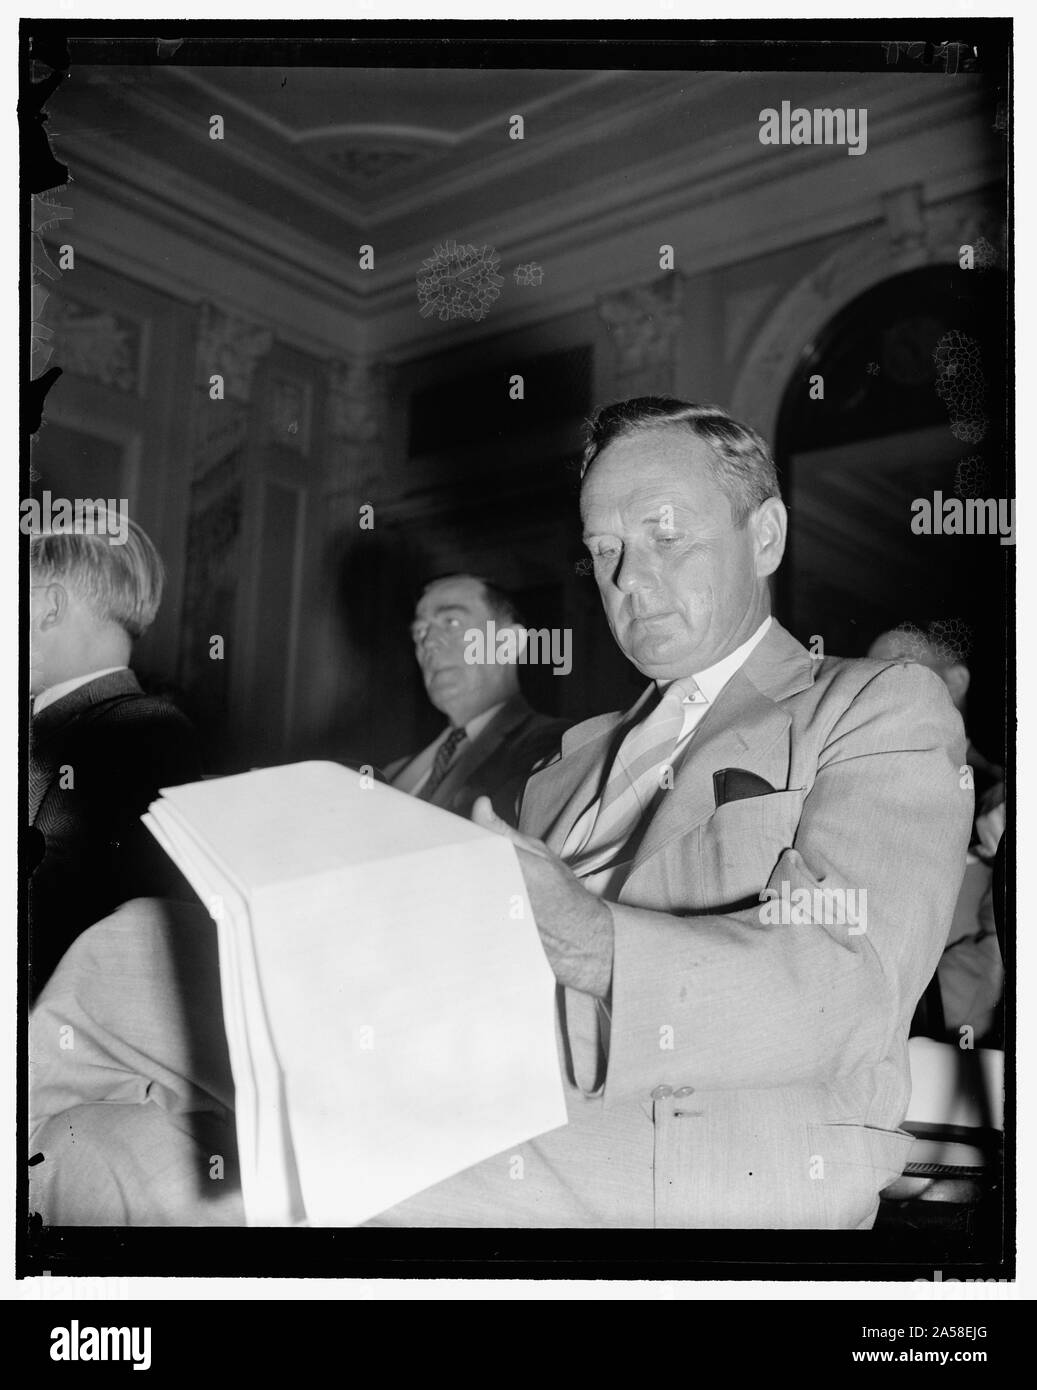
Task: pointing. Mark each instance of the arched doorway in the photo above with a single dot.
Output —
(900, 400)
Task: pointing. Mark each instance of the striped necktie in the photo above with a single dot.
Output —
(441, 764)
(635, 780)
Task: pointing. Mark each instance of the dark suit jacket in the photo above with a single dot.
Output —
(113, 747)
(497, 762)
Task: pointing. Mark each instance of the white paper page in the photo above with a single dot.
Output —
(373, 910)
(412, 1009)
(283, 823)
(269, 1181)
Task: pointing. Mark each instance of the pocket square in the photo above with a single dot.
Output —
(736, 784)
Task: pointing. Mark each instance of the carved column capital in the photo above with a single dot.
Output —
(356, 421)
(356, 400)
(231, 346)
(95, 343)
(644, 322)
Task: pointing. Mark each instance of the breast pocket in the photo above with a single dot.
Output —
(742, 842)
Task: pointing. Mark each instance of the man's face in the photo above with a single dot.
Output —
(681, 585)
(445, 612)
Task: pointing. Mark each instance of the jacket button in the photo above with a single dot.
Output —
(683, 1091)
(661, 1092)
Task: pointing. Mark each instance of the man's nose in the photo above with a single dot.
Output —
(633, 573)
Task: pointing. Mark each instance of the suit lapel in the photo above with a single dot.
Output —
(557, 796)
(740, 730)
(474, 752)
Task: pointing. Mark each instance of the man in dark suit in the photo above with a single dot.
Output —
(99, 748)
(493, 739)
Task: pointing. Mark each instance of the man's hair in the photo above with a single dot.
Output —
(944, 641)
(499, 601)
(742, 463)
(120, 584)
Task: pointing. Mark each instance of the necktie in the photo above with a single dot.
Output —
(441, 764)
(635, 779)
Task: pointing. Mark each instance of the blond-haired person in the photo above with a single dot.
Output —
(99, 747)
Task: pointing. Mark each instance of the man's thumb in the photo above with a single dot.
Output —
(483, 814)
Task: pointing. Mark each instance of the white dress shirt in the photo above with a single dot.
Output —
(413, 776)
(710, 683)
(63, 688)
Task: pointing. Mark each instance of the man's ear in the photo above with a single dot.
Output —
(770, 527)
(54, 608)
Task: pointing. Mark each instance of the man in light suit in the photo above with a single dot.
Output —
(732, 1024)
(493, 738)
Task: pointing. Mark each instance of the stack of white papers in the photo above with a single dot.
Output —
(388, 1006)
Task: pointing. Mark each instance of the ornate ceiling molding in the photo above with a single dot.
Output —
(590, 236)
(370, 164)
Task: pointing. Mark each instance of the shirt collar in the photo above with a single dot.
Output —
(713, 679)
(63, 688)
(475, 726)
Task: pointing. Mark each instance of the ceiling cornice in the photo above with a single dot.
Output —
(700, 179)
(358, 213)
(696, 174)
(525, 155)
(441, 138)
(251, 156)
(221, 223)
(156, 241)
(714, 200)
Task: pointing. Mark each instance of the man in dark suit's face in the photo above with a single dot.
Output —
(682, 582)
(460, 689)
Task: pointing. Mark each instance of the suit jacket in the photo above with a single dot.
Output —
(971, 973)
(98, 758)
(772, 1059)
(497, 761)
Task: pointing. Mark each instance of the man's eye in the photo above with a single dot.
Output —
(453, 622)
(668, 538)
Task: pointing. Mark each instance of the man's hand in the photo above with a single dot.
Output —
(575, 927)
